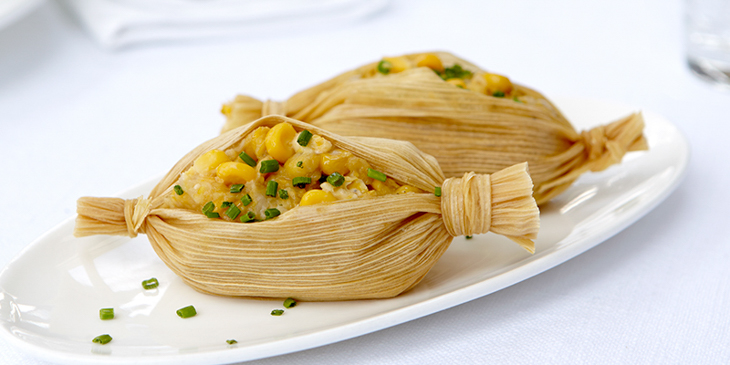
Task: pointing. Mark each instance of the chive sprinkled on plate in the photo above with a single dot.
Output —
(437, 191)
(150, 283)
(336, 179)
(304, 138)
(277, 312)
(289, 303)
(236, 188)
(271, 188)
(102, 339)
(106, 313)
(247, 159)
(301, 181)
(269, 166)
(283, 194)
(468, 237)
(246, 200)
(271, 213)
(186, 312)
(248, 217)
(377, 175)
(231, 342)
(178, 190)
(233, 212)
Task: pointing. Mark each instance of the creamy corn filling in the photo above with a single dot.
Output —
(277, 170)
(482, 82)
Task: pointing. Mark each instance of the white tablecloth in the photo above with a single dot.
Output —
(77, 120)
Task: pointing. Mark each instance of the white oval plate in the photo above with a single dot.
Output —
(50, 295)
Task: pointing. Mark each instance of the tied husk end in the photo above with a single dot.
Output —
(110, 216)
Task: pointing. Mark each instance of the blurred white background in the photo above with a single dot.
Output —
(80, 119)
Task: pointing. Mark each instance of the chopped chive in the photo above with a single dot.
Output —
(336, 179)
(248, 217)
(186, 312)
(246, 200)
(247, 159)
(517, 100)
(231, 342)
(377, 175)
(301, 181)
(233, 212)
(384, 67)
(208, 210)
(277, 312)
(150, 283)
(498, 94)
(300, 164)
(178, 190)
(290, 302)
(236, 188)
(226, 204)
(304, 138)
(102, 339)
(437, 191)
(269, 166)
(212, 215)
(283, 194)
(271, 213)
(322, 178)
(106, 313)
(468, 237)
(271, 188)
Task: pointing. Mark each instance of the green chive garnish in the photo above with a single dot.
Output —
(106, 313)
(150, 283)
(384, 67)
(517, 100)
(248, 217)
(246, 200)
(208, 210)
(377, 175)
(178, 190)
(468, 237)
(300, 164)
(236, 188)
(455, 72)
(102, 339)
(283, 194)
(336, 179)
(231, 342)
(322, 178)
(247, 159)
(277, 312)
(271, 213)
(226, 204)
(186, 312)
(301, 181)
(269, 166)
(290, 302)
(437, 191)
(233, 212)
(498, 94)
(271, 188)
(304, 138)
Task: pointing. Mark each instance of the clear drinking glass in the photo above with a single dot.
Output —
(708, 39)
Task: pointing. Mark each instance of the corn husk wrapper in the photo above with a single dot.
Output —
(463, 129)
(351, 249)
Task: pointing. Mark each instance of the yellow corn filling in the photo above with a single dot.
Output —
(222, 184)
(482, 82)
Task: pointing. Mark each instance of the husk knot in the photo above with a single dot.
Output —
(467, 204)
(606, 145)
(112, 216)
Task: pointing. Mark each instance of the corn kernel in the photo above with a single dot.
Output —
(309, 166)
(226, 109)
(278, 141)
(457, 82)
(316, 196)
(335, 162)
(384, 188)
(431, 61)
(496, 83)
(359, 168)
(210, 160)
(408, 189)
(254, 145)
(235, 172)
(399, 64)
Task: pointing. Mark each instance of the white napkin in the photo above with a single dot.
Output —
(117, 23)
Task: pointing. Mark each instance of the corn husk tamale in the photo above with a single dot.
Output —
(377, 247)
(465, 130)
